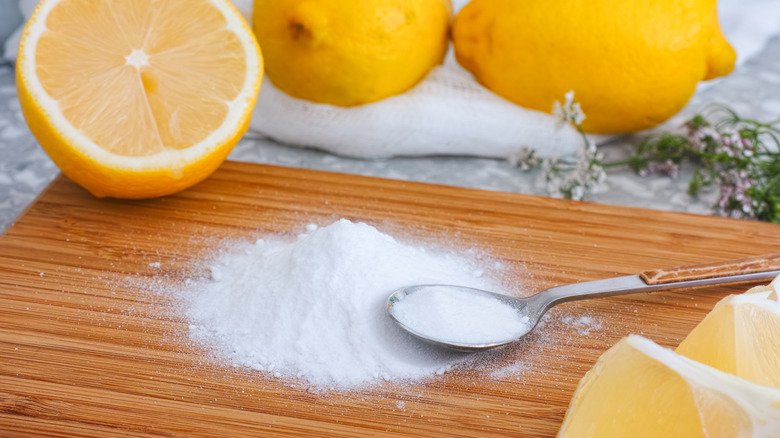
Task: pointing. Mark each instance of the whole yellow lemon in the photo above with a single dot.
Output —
(631, 63)
(347, 52)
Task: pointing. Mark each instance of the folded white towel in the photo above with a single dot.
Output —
(448, 113)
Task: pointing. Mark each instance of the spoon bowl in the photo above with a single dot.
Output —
(401, 297)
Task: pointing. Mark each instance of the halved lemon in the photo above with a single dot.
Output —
(640, 389)
(138, 99)
(741, 336)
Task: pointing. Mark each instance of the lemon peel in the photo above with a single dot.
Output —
(632, 64)
(348, 53)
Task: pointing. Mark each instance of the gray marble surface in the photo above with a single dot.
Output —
(753, 90)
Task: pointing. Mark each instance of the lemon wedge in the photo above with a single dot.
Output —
(640, 389)
(741, 336)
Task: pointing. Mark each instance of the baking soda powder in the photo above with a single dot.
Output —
(458, 317)
(314, 307)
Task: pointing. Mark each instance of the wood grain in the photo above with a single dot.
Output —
(747, 265)
(87, 350)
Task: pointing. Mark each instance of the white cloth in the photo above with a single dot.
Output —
(448, 113)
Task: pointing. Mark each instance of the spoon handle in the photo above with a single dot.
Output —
(748, 265)
(748, 270)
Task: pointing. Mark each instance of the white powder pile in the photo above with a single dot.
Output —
(314, 308)
(459, 317)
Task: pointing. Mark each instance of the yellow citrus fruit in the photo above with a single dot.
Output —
(137, 99)
(346, 52)
(631, 63)
(741, 336)
(640, 389)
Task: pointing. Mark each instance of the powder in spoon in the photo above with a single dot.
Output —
(458, 317)
(314, 307)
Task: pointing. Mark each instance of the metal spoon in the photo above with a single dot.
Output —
(747, 270)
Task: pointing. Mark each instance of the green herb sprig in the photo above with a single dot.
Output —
(738, 155)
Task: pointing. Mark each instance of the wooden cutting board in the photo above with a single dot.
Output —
(86, 350)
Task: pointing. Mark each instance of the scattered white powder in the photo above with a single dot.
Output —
(155, 265)
(583, 324)
(314, 308)
(459, 317)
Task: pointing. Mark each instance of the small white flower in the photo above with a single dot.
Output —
(569, 111)
(577, 116)
(577, 193)
(525, 158)
(571, 177)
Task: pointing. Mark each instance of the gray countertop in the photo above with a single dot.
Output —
(753, 90)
